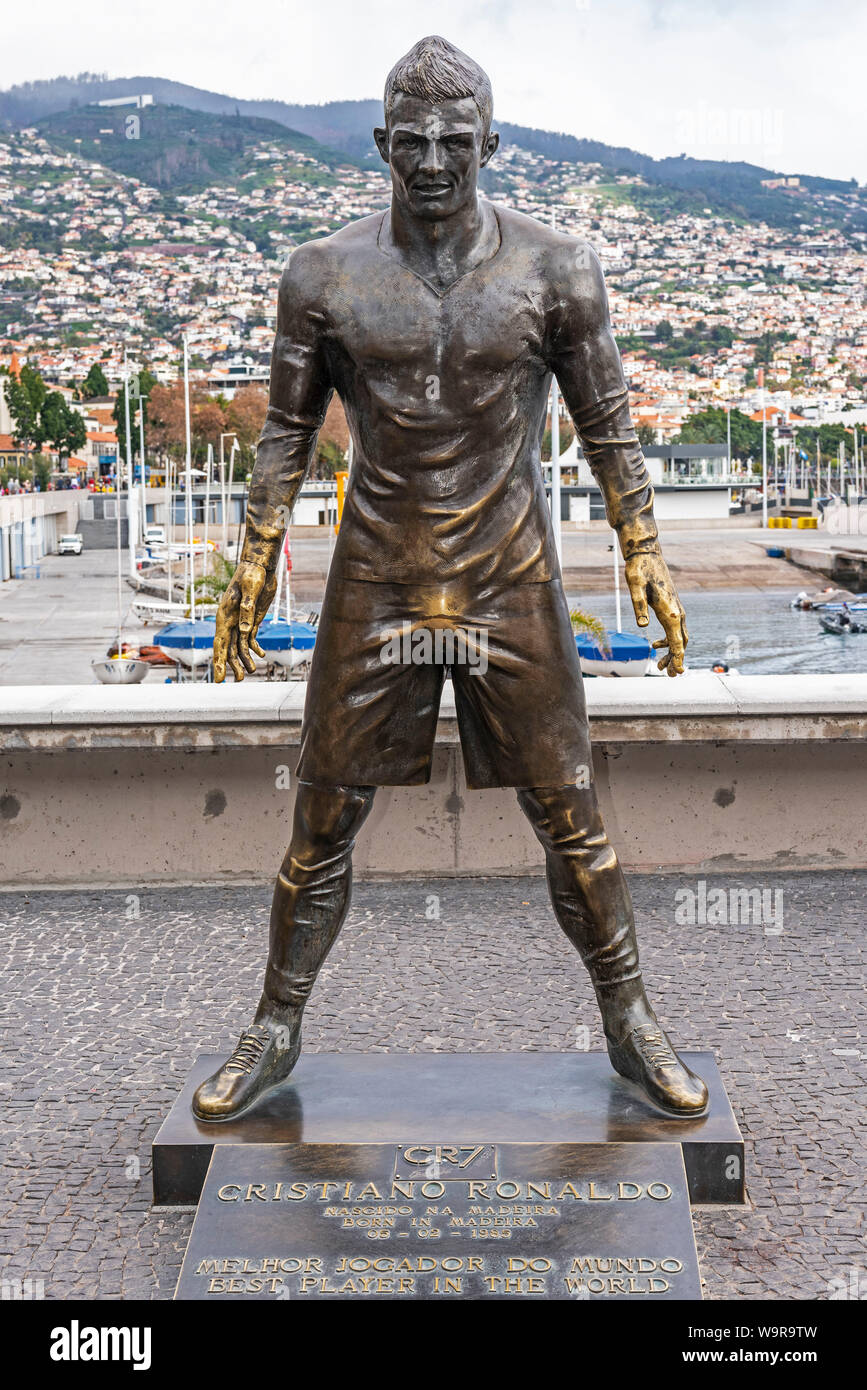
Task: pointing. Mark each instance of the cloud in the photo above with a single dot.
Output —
(777, 82)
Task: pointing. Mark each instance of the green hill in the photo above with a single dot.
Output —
(183, 151)
(201, 149)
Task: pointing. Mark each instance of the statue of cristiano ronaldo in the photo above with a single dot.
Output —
(439, 323)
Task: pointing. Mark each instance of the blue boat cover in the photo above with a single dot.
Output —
(624, 647)
(273, 637)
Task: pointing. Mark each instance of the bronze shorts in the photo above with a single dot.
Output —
(382, 654)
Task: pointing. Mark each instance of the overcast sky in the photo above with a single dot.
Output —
(775, 82)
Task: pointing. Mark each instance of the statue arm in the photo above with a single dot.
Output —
(300, 391)
(585, 358)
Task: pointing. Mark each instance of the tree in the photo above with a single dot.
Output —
(245, 414)
(40, 468)
(62, 427)
(25, 395)
(95, 383)
(567, 434)
(167, 420)
(709, 427)
(208, 423)
(329, 459)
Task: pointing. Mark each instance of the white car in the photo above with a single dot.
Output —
(155, 535)
(71, 545)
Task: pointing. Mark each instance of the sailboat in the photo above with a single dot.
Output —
(288, 644)
(625, 654)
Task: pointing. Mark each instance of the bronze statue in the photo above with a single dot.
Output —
(439, 323)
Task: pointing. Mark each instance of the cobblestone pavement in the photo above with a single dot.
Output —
(106, 1009)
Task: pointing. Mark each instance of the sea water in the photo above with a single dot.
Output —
(753, 630)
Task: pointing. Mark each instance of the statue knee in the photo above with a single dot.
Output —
(327, 820)
(331, 815)
(564, 818)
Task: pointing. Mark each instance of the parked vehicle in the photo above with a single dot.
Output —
(155, 535)
(70, 545)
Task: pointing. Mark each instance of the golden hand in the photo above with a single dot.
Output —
(242, 608)
(650, 583)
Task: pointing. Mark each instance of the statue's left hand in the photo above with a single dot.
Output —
(651, 584)
(242, 608)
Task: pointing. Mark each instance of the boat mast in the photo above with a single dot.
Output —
(209, 464)
(130, 506)
(118, 529)
(169, 529)
(141, 449)
(189, 565)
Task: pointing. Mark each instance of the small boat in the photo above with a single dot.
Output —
(189, 643)
(163, 610)
(287, 645)
(123, 670)
(840, 624)
(829, 599)
(627, 655)
(153, 656)
(158, 610)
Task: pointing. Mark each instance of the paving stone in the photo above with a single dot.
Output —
(102, 1017)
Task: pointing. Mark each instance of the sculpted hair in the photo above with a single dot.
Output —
(435, 70)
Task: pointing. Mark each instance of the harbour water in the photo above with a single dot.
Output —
(754, 631)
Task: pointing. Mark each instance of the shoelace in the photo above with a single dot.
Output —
(247, 1053)
(654, 1048)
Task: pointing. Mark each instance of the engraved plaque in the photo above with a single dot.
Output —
(443, 1220)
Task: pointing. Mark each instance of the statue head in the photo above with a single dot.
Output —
(437, 133)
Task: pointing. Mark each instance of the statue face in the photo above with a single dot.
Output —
(435, 151)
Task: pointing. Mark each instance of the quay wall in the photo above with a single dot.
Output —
(159, 784)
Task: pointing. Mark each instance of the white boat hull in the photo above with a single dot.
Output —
(591, 667)
(291, 658)
(155, 610)
(191, 657)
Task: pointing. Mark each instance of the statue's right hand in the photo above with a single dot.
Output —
(247, 599)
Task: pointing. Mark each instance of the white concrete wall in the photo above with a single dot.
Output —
(691, 503)
(178, 784)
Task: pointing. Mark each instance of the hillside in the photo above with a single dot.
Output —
(663, 187)
(182, 150)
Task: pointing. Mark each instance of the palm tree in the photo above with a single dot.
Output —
(211, 587)
(592, 627)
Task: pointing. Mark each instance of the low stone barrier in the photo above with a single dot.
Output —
(160, 784)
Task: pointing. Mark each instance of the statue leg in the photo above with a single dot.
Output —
(311, 899)
(592, 904)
